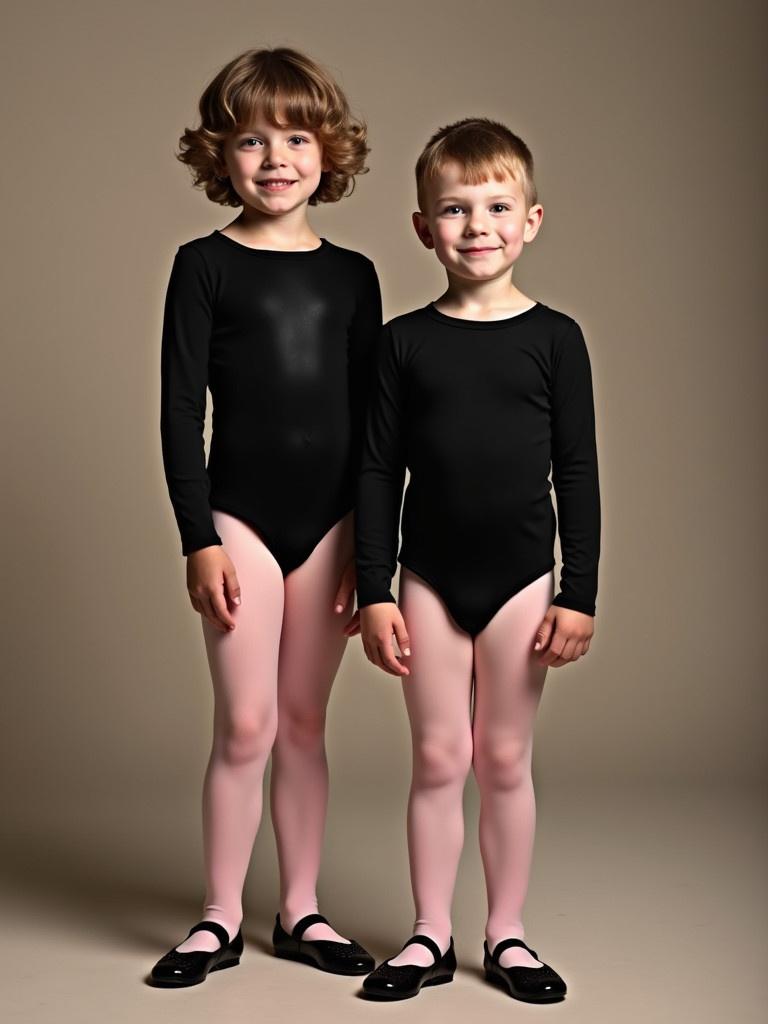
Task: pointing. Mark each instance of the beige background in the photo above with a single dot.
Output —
(646, 125)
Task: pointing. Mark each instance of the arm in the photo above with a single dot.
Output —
(364, 332)
(380, 483)
(574, 472)
(184, 377)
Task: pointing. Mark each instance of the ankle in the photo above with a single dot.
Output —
(292, 913)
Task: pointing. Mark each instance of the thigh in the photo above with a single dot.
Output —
(438, 691)
(508, 677)
(313, 642)
(244, 661)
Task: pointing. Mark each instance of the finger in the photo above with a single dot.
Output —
(543, 635)
(390, 662)
(232, 587)
(219, 603)
(401, 636)
(341, 599)
(196, 604)
(353, 626)
(210, 614)
(552, 652)
(569, 647)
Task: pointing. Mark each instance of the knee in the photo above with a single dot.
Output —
(246, 738)
(442, 760)
(503, 764)
(302, 728)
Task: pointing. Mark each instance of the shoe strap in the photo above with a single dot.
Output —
(508, 944)
(213, 926)
(301, 926)
(424, 940)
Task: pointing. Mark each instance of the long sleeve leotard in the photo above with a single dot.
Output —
(285, 342)
(479, 411)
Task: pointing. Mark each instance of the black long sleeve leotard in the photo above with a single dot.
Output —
(285, 342)
(478, 411)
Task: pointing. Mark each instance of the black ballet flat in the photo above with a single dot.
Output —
(388, 982)
(328, 955)
(180, 969)
(530, 984)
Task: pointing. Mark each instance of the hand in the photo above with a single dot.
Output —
(377, 624)
(344, 596)
(212, 586)
(563, 636)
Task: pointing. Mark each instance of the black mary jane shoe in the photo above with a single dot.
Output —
(530, 984)
(327, 954)
(388, 982)
(176, 969)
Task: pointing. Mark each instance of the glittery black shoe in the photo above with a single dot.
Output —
(388, 982)
(179, 969)
(530, 984)
(328, 955)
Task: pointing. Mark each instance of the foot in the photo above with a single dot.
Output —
(315, 931)
(418, 954)
(206, 941)
(177, 969)
(339, 956)
(516, 956)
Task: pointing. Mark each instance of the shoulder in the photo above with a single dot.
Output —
(562, 329)
(556, 321)
(196, 252)
(355, 266)
(406, 324)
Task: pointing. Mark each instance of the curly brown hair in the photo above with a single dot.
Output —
(484, 149)
(271, 80)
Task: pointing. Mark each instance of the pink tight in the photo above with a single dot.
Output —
(272, 677)
(449, 738)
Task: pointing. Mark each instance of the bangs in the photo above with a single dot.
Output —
(282, 96)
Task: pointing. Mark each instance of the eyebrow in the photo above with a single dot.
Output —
(455, 199)
(288, 128)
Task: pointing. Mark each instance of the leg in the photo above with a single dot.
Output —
(243, 666)
(311, 649)
(437, 695)
(508, 687)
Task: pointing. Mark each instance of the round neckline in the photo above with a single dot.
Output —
(483, 325)
(278, 253)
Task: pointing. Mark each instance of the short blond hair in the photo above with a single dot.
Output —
(484, 149)
(268, 81)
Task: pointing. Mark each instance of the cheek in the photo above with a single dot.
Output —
(308, 161)
(511, 234)
(447, 232)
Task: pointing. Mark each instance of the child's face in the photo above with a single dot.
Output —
(261, 153)
(477, 231)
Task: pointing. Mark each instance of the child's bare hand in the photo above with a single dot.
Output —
(563, 636)
(378, 622)
(344, 596)
(212, 586)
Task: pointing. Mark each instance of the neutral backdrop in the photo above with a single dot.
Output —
(646, 125)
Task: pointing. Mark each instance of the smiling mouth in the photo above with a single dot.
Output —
(491, 248)
(276, 183)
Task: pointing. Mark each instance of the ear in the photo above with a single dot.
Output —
(533, 222)
(422, 229)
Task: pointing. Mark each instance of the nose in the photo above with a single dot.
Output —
(476, 224)
(273, 157)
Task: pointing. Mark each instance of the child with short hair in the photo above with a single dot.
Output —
(478, 394)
